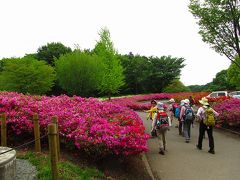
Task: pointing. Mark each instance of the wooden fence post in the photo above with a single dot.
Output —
(3, 130)
(55, 121)
(37, 133)
(52, 133)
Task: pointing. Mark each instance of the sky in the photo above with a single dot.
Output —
(144, 27)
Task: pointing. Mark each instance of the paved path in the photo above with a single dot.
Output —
(184, 161)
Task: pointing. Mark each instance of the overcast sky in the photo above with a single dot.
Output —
(145, 27)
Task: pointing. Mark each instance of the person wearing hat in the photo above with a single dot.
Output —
(202, 127)
(160, 127)
(171, 109)
(151, 112)
(187, 117)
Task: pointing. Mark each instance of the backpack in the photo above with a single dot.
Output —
(174, 106)
(177, 112)
(209, 117)
(189, 114)
(162, 120)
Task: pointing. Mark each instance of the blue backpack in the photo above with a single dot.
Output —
(177, 112)
(189, 114)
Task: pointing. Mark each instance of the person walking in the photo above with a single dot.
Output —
(204, 113)
(151, 112)
(171, 109)
(161, 123)
(180, 120)
(187, 117)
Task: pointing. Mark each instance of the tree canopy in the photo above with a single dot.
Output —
(79, 73)
(176, 86)
(113, 77)
(26, 75)
(149, 74)
(219, 25)
(50, 51)
(233, 74)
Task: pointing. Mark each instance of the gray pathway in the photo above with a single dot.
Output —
(183, 161)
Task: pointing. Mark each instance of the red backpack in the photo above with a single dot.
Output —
(162, 120)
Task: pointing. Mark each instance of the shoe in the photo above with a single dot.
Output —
(211, 151)
(161, 152)
(198, 147)
(187, 141)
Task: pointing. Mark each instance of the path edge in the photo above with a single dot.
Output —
(149, 170)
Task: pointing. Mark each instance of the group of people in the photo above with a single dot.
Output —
(162, 117)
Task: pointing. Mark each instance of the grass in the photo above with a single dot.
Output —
(66, 169)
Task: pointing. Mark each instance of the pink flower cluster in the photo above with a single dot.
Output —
(87, 122)
(140, 102)
(229, 111)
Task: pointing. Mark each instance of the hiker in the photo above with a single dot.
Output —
(187, 117)
(151, 112)
(177, 115)
(161, 123)
(206, 115)
(171, 109)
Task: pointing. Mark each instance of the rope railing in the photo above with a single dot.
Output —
(22, 145)
(53, 140)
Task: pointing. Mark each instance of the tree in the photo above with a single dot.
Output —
(176, 86)
(233, 74)
(50, 51)
(136, 71)
(79, 73)
(221, 81)
(26, 75)
(112, 78)
(163, 71)
(219, 25)
(149, 74)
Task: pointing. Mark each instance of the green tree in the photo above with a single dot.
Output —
(112, 78)
(149, 74)
(196, 88)
(163, 71)
(221, 81)
(136, 71)
(79, 73)
(219, 25)
(50, 51)
(176, 86)
(233, 74)
(26, 75)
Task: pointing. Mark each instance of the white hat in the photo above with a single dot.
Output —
(171, 100)
(186, 101)
(160, 106)
(182, 102)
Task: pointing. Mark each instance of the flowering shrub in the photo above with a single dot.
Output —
(139, 102)
(229, 111)
(92, 125)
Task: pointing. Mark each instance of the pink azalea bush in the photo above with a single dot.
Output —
(229, 111)
(142, 102)
(92, 125)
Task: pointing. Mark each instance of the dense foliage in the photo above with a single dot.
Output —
(219, 22)
(26, 75)
(233, 73)
(99, 128)
(176, 86)
(50, 51)
(112, 78)
(149, 74)
(79, 73)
